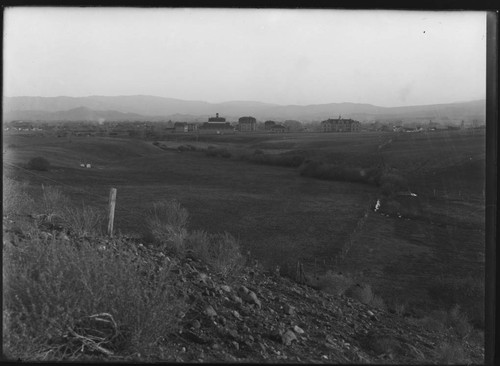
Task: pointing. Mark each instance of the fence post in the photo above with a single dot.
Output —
(112, 203)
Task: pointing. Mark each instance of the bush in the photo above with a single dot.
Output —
(50, 285)
(53, 202)
(219, 251)
(84, 221)
(39, 163)
(224, 254)
(362, 293)
(332, 283)
(468, 292)
(166, 225)
(454, 318)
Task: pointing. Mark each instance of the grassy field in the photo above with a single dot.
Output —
(280, 216)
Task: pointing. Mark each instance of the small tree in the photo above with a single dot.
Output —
(39, 163)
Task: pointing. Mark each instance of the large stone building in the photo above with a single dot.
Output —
(216, 118)
(216, 125)
(340, 125)
(247, 124)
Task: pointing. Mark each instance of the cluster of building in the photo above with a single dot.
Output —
(340, 125)
(249, 124)
(220, 125)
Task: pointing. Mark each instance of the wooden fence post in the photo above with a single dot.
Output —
(112, 203)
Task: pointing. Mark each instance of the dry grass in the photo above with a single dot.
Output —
(15, 198)
(166, 222)
(50, 285)
(220, 251)
(85, 220)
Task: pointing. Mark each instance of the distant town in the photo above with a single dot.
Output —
(217, 124)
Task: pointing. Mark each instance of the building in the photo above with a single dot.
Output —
(278, 129)
(180, 127)
(192, 127)
(340, 125)
(247, 124)
(216, 118)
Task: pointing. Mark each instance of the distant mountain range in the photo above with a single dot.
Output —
(151, 108)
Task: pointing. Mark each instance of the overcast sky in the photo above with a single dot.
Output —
(386, 58)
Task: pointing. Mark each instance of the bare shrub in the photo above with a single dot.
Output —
(198, 243)
(454, 319)
(85, 220)
(378, 302)
(38, 163)
(362, 293)
(50, 285)
(224, 254)
(333, 283)
(53, 202)
(220, 251)
(166, 225)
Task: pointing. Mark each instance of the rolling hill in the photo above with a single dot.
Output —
(142, 107)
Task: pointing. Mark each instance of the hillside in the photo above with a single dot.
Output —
(255, 316)
(142, 107)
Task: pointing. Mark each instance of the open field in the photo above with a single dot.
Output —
(280, 216)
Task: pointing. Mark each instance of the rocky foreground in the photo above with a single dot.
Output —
(259, 316)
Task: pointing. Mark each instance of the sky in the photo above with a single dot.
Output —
(283, 56)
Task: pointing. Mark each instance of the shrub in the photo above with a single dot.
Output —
(166, 225)
(85, 220)
(454, 318)
(224, 254)
(198, 242)
(332, 283)
(220, 251)
(468, 292)
(362, 293)
(378, 302)
(53, 202)
(49, 285)
(39, 163)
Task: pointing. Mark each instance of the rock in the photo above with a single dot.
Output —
(225, 288)
(237, 315)
(243, 291)
(288, 337)
(210, 311)
(290, 310)
(237, 299)
(195, 324)
(298, 330)
(236, 345)
(251, 298)
(233, 333)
